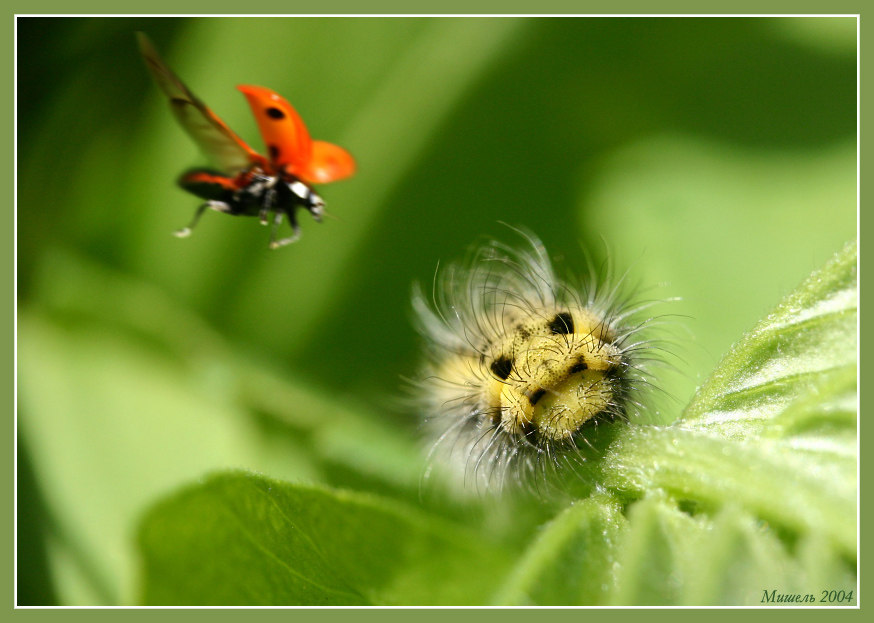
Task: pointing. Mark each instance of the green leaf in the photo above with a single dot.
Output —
(114, 365)
(774, 429)
(773, 483)
(110, 424)
(656, 555)
(671, 558)
(573, 559)
(812, 333)
(241, 539)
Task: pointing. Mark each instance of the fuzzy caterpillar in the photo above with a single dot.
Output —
(521, 365)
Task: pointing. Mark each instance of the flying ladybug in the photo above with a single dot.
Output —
(243, 182)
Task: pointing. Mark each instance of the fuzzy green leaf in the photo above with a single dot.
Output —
(671, 558)
(812, 333)
(572, 561)
(774, 429)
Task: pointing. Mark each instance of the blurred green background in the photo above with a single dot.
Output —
(714, 159)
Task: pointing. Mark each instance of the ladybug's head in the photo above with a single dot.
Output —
(314, 204)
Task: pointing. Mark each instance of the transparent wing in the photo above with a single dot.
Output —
(217, 141)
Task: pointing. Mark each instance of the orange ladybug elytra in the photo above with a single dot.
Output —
(245, 183)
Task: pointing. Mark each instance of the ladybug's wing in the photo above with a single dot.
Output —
(285, 135)
(216, 140)
(288, 141)
(328, 163)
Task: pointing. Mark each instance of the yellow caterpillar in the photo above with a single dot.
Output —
(521, 364)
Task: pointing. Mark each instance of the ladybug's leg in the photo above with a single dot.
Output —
(274, 243)
(219, 206)
(269, 200)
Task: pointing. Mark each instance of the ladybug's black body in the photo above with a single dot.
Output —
(253, 193)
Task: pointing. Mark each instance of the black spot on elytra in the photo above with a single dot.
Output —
(562, 324)
(522, 331)
(502, 367)
(275, 113)
(274, 151)
(536, 395)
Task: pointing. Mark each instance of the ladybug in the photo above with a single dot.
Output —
(245, 183)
